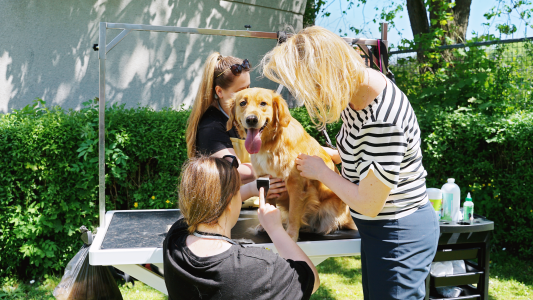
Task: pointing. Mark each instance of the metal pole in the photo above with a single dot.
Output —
(384, 29)
(101, 125)
(127, 28)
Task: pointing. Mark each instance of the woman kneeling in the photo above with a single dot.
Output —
(202, 262)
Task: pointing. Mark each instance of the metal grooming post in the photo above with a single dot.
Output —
(104, 48)
(113, 223)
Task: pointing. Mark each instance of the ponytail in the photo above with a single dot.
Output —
(215, 74)
(203, 100)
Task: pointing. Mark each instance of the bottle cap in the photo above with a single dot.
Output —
(468, 197)
(451, 180)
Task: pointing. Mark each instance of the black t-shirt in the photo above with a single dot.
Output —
(211, 135)
(238, 273)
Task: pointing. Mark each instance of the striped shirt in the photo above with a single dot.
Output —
(384, 137)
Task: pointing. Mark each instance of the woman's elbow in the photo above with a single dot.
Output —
(371, 212)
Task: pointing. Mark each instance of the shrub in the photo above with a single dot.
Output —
(49, 178)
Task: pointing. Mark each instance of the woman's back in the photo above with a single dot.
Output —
(238, 273)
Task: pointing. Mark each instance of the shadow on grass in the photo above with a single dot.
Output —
(510, 277)
(510, 267)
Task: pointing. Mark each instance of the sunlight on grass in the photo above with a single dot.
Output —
(340, 278)
(140, 292)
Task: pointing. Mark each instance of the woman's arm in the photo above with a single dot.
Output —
(367, 198)
(270, 217)
(246, 170)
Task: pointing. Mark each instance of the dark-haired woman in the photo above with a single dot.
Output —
(202, 262)
(222, 77)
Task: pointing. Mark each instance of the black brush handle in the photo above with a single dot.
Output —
(263, 183)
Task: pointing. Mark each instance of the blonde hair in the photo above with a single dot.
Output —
(320, 69)
(208, 184)
(216, 73)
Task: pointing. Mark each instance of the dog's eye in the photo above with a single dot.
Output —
(243, 103)
(263, 103)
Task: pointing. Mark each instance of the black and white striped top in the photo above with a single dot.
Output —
(384, 137)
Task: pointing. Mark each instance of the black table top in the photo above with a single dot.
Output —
(147, 229)
(479, 224)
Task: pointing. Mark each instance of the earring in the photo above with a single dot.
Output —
(216, 96)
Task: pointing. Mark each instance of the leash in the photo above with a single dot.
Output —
(328, 141)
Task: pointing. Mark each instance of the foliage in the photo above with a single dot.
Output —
(492, 80)
(49, 178)
(521, 8)
(312, 9)
(501, 17)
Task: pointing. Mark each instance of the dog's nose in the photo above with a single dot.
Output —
(252, 120)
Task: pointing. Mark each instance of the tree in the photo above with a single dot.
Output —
(433, 22)
(451, 17)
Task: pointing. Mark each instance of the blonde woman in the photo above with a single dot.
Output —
(383, 179)
(206, 132)
(201, 261)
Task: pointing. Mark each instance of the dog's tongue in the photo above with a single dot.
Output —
(253, 141)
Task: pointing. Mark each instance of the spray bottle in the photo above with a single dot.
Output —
(468, 209)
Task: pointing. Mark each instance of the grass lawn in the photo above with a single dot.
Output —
(510, 278)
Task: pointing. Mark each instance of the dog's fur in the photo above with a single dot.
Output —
(308, 205)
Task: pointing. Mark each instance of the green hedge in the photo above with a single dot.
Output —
(48, 183)
(49, 177)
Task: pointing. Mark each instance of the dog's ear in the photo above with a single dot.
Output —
(232, 121)
(281, 110)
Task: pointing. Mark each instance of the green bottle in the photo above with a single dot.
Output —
(468, 209)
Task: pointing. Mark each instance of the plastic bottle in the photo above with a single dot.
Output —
(468, 209)
(451, 191)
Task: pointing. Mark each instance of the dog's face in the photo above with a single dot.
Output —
(258, 112)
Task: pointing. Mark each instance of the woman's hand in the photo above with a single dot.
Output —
(334, 154)
(277, 186)
(269, 216)
(311, 166)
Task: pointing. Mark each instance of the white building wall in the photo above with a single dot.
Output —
(45, 48)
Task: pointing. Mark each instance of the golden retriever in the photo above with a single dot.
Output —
(274, 139)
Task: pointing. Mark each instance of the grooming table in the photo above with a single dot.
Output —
(134, 237)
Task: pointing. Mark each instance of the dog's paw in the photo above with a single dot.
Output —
(259, 228)
(256, 230)
(293, 234)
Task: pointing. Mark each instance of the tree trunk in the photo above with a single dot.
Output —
(418, 17)
(461, 13)
(455, 30)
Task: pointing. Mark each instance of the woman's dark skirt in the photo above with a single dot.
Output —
(396, 255)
